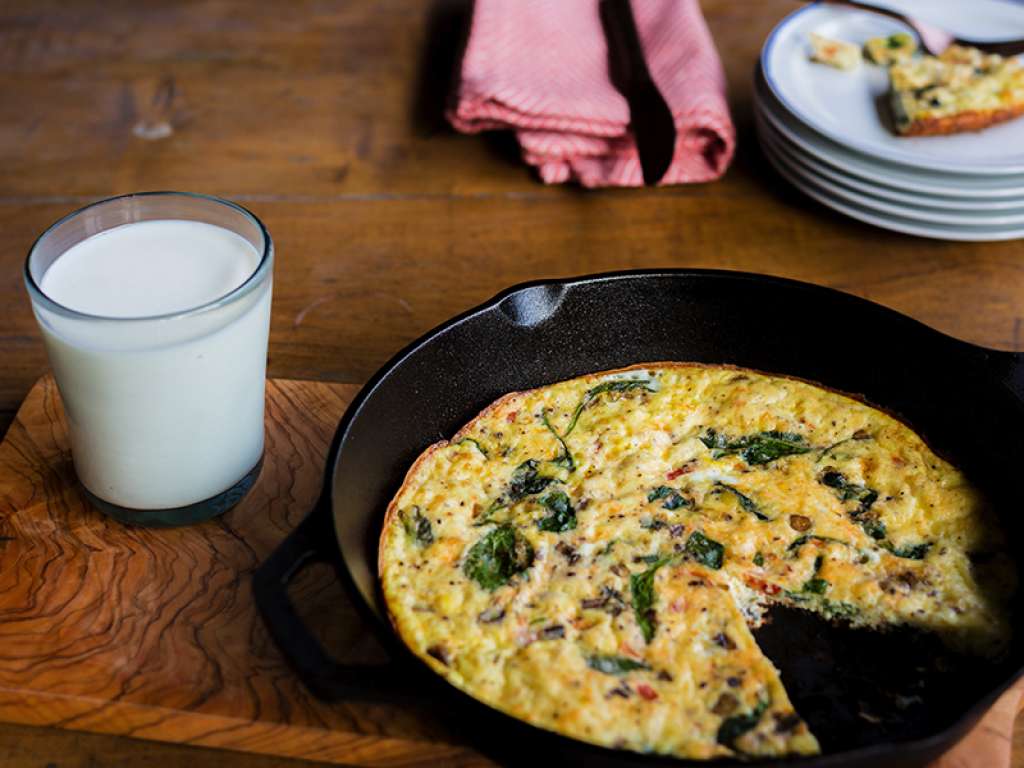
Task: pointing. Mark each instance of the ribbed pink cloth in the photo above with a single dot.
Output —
(540, 67)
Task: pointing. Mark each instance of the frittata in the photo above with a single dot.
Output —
(835, 53)
(962, 89)
(893, 49)
(590, 556)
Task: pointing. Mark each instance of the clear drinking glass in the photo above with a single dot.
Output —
(165, 412)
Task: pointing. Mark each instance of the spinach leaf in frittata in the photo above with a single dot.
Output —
(562, 517)
(614, 665)
(747, 504)
(498, 556)
(758, 449)
(705, 551)
(417, 527)
(641, 588)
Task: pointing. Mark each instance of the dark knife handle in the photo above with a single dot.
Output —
(628, 65)
(651, 119)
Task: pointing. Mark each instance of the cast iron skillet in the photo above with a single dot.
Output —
(872, 699)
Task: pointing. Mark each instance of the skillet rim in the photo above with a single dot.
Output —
(934, 744)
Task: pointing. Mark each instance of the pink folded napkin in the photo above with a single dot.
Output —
(540, 67)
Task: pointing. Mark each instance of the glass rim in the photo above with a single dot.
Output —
(247, 286)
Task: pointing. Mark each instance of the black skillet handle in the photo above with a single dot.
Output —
(314, 541)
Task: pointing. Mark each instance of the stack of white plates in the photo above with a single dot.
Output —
(825, 130)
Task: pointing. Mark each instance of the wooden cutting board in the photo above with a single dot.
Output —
(153, 633)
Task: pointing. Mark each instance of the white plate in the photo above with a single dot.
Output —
(819, 169)
(885, 207)
(845, 106)
(903, 177)
(896, 223)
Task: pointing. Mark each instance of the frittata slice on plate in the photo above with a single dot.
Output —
(589, 556)
(962, 89)
(835, 53)
(893, 49)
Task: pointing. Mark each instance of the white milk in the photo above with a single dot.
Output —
(150, 268)
(164, 411)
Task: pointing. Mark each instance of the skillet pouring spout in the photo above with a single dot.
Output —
(967, 402)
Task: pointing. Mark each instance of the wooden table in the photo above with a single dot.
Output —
(325, 118)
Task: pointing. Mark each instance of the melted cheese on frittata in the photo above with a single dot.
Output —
(589, 556)
(960, 79)
(892, 49)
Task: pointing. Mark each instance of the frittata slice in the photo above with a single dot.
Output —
(892, 49)
(962, 89)
(840, 54)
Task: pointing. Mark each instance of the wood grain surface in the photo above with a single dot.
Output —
(325, 118)
(153, 633)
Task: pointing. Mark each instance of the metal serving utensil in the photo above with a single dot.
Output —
(935, 39)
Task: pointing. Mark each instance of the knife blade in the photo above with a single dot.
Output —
(651, 120)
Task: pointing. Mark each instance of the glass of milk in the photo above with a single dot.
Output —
(155, 312)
